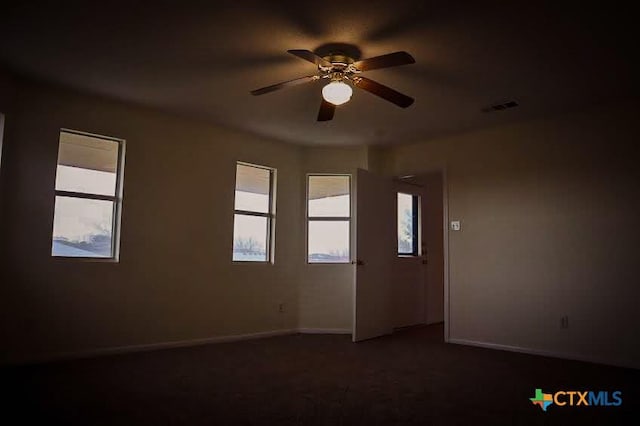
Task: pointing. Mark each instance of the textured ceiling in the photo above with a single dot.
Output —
(202, 59)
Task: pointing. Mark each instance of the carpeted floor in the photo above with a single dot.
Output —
(409, 378)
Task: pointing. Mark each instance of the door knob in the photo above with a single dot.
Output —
(358, 262)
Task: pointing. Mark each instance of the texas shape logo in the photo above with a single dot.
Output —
(542, 399)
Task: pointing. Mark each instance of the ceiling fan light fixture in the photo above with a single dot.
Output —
(341, 69)
(337, 92)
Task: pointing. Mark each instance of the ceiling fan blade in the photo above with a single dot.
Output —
(284, 84)
(308, 55)
(385, 61)
(383, 91)
(327, 109)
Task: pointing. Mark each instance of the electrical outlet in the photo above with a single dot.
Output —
(455, 225)
(564, 322)
(281, 308)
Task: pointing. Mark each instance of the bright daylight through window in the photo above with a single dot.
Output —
(329, 219)
(88, 196)
(254, 214)
(408, 224)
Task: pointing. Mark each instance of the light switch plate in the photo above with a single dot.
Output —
(455, 225)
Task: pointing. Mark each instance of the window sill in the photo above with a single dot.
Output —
(85, 259)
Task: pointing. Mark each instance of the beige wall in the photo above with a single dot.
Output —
(548, 211)
(175, 280)
(7, 90)
(7, 96)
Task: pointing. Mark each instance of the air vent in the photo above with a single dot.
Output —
(500, 106)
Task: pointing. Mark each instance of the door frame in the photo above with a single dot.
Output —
(413, 189)
(445, 251)
(442, 169)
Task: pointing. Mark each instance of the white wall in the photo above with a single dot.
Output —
(548, 211)
(175, 280)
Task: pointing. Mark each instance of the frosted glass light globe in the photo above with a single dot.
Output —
(337, 92)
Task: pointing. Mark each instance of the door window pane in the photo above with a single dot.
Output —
(329, 241)
(250, 238)
(408, 224)
(329, 196)
(82, 227)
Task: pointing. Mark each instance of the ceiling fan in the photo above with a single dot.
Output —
(341, 70)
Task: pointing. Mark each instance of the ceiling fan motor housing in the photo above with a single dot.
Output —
(341, 68)
(338, 60)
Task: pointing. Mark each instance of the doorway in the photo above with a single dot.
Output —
(418, 277)
(399, 285)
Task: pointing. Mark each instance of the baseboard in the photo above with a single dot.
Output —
(152, 347)
(541, 352)
(324, 330)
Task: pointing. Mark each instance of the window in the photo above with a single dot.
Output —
(254, 214)
(88, 196)
(408, 214)
(329, 218)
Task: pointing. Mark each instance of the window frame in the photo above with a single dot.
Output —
(270, 215)
(416, 226)
(116, 199)
(347, 219)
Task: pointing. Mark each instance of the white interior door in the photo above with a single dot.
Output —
(375, 254)
(433, 237)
